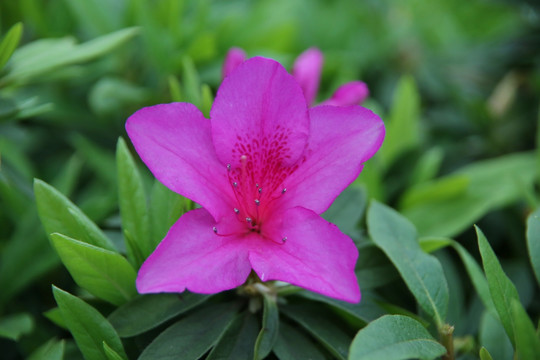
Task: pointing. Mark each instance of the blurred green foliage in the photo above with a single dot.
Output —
(456, 82)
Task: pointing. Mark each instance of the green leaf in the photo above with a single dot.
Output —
(175, 89)
(365, 311)
(421, 272)
(46, 55)
(477, 277)
(101, 161)
(322, 324)
(192, 336)
(9, 43)
(192, 84)
(111, 354)
(88, 327)
(145, 312)
(533, 242)
(500, 287)
(133, 205)
(29, 262)
(55, 316)
(403, 127)
(432, 244)
(16, 325)
(59, 215)
(492, 184)
(494, 338)
(293, 344)
(395, 337)
(238, 341)
(105, 274)
(348, 208)
(428, 165)
(270, 328)
(442, 189)
(166, 207)
(51, 350)
(484, 354)
(207, 99)
(527, 343)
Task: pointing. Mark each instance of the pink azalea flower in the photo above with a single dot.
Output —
(263, 168)
(307, 70)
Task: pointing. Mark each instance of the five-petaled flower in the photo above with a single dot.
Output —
(263, 168)
(307, 70)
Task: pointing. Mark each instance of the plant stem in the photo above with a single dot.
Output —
(446, 333)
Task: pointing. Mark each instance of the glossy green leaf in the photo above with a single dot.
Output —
(59, 215)
(432, 244)
(484, 354)
(238, 341)
(110, 353)
(51, 350)
(9, 43)
(133, 205)
(403, 128)
(477, 277)
(365, 311)
(493, 337)
(502, 291)
(533, 242)
(191, 82)
(145, 312)
(55, 316)
(323, 325)
(29, 262)
(422, 273)
(442, 189)
(16, 325)
(89, 328)
(492, 184)
(293, 344)
(46, 55)
(192, 336)
(270, 328)
(105, 274)
(527, 343)
(428, 165)
(348, 208)
(166, 207)
(395, 337)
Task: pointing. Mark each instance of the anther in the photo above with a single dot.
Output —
(284, 239)
(284, 190)
(236, 211)
(248, 219)
(260, 190)
(228, 167)
(257, 202)
(235, 184)
(215, 229)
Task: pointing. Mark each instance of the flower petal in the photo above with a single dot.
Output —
(259, 109)
(175, 142)
(193, 257)
(316, 256)
(307, 71)
(341, 140)
(352, 93)
(235, 56)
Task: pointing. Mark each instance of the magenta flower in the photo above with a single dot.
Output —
(263, 168)
(307, 70)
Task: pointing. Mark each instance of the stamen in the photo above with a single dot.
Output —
(257, 202)
(284, 239)
(249, 220)
(284, 190)
(260, 190)
(215, 229)
(228, 167)
(235, 184)
(236, 211)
